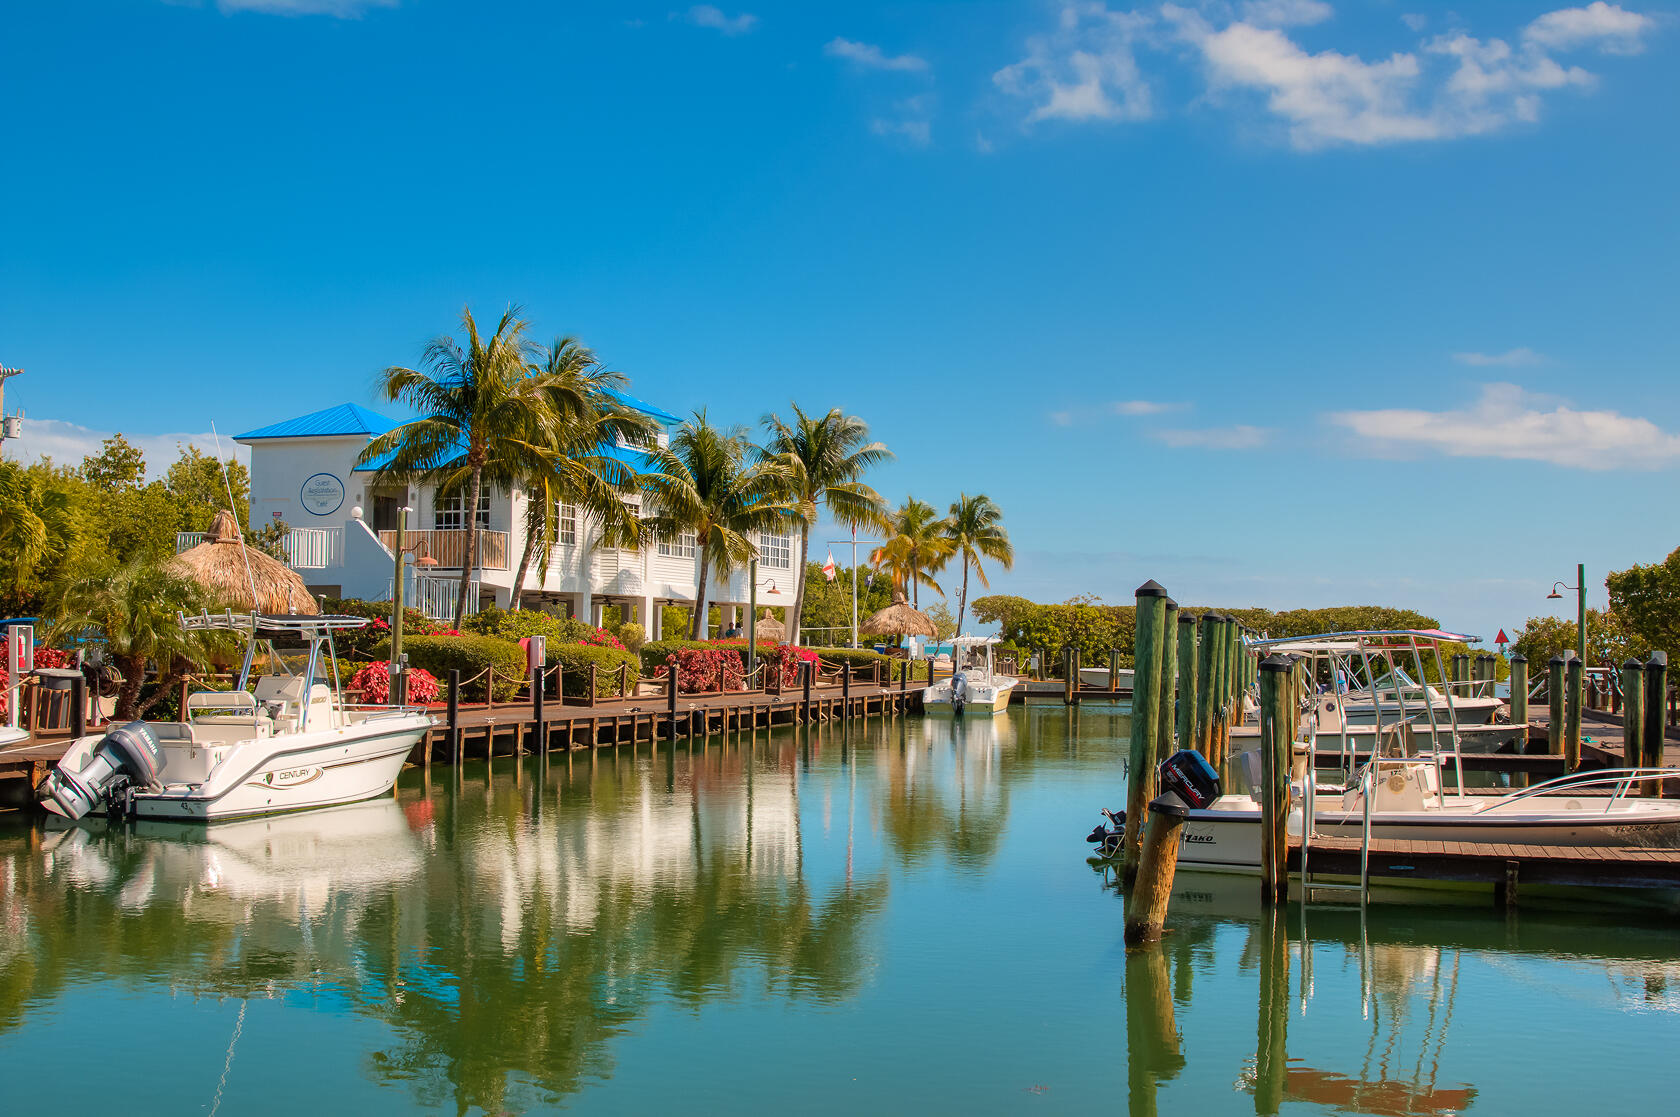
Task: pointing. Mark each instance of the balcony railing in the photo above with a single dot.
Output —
(436, 597)
(306, 548)
(449, 547)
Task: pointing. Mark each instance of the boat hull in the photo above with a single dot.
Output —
(982, 701)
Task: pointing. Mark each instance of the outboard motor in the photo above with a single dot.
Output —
(1187, 774)
(128, 755)
(959, 692)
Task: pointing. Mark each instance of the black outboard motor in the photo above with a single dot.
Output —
(1188, 775)
(128, 755)
(959, 692)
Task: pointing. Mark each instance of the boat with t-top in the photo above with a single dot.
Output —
(974, 686)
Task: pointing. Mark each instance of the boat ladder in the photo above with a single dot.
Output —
(1309, 824)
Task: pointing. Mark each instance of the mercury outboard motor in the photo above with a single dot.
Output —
(128, 755)
(959, 692)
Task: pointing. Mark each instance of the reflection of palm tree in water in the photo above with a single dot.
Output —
(921, 818)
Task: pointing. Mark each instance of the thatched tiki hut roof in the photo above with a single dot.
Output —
(898, 619)
(769, 628)
(228, 569)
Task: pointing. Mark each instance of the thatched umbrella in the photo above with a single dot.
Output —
(769, 628)
(899, 619)
(229, 570)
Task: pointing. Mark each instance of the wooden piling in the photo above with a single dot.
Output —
(1572, 717)
(1276, 737)
(1554, 699)
(1146, 903)
(1169, 677)
(846, 689)
(1067, 675)
(810, 670)
(1519, 689)
(1633, 716)
(1146, 722)
(453, 714)
(1204, 686)
(671, 696)
(1656, 715)
(1186, 646)
(539, 724)
(78, 708)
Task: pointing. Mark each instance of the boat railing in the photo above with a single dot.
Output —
(1622, 779)
(1309, 823)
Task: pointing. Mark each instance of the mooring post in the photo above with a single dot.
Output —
(1073, 675)
(78, 707)
(1554, 705)
(1221, 691)
(671, 696)
(1633, 717)
(1186, 645)
(1519, 690)
(1276, 736)
(1146, 721)
(810, 670)
(1146, 904)
(452, 715)
(1572, 717)
(1656, 715)
(1233, 683)
(1204, 687)
(846, 689)
(1169, 677)
(1114, 669)
(537, 681)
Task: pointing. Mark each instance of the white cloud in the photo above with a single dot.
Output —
(68, 443)
(1239, 437)
(1507, 422)
(1416, 21)
(1143, 407)
(1613, 29)
(342, 9)
(1285, 13)
(1511, 358)
(1062, 418)
(1085, 69)
(705, 15)
(913, 122)
(870, 56)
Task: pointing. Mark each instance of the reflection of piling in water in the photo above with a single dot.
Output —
(1152, 1044)
(1271, 1059)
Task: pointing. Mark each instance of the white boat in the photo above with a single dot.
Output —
(974, 687)
(11, 735)
(1097, 678)
(280, 741)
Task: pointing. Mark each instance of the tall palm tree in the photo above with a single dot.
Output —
(485, 417)
(915, 550)
(824, 457)
(577, 468)
(974, 530)
(706, 482)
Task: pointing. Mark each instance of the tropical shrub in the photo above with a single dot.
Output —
(373, 681)
(1647, 598)
(470, 655)
(359, 643)
(574, 661)
(705, 670)
(51, 657)
(788, 662)
(632, 636)
(517, 624)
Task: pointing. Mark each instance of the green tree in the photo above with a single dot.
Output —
(824, 458)
(196, 482)
(576, 467)
(1648, 599)
(943, 622)
(1609, 640)
(485, 418)
(136, 607)
(916, 548)
(828, 605)
(975, 531)
(118, 465)
(705, 484)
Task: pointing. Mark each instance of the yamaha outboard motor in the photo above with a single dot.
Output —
(128, 755)
(959, 692)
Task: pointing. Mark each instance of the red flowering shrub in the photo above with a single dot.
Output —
(787, 659)
(706, 669)
(374, 682)
(601, 638)
(51, 657)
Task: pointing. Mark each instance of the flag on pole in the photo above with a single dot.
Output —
(828, 567)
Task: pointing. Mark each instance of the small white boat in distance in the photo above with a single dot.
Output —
(1097, 678)
(277, 742)
(974, 686)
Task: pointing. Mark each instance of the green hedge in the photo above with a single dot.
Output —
(574, 661)
(516, 624)
(469, 655)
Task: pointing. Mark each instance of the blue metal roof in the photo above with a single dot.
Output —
(637, 460)
(645, 407)
(345, 419)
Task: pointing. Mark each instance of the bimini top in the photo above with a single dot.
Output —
(1363, 638)
(229, 621)
(972, 641)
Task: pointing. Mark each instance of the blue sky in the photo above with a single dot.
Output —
(1282, 302)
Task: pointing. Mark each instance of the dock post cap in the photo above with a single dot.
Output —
(1658, 659)
(1558, 660)
(1172, 605)
(1186, 617)
(1276, 662)
(1519, 658)
(1632, 664)
(1169, 805)
(1151, 588)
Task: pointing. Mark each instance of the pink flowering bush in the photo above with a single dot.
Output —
(700, 670)
(374, 683)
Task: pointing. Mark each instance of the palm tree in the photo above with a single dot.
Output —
(824, 458)
(137, 607)
(916, 548)
(484, 417)
(576, 468)
(706, 483)
(974, 530)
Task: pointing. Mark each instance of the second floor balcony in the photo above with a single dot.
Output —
(449, 546)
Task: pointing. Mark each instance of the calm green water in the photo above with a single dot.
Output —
(892, 920)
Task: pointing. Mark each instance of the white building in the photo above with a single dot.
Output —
(344, 526)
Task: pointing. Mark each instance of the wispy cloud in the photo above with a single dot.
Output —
(1611, 28)
(340, 9)
(1085, 69)
(1144, 407)
(871, 57)
(1239, 437)
(1285, 13)
(1511, 358)
(706, 15)
(912, 120)
(1507, 422)
(68, 443)
(1062, 418)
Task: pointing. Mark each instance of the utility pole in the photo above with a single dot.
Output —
(10, 426)
(855, 542)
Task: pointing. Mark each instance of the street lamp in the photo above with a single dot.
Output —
(1580, 588)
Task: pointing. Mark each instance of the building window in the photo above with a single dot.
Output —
(565, 523)
(683, 546)
(776, 551)
(448, 512)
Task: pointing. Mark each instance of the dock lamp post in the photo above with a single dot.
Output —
(1580, 588)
